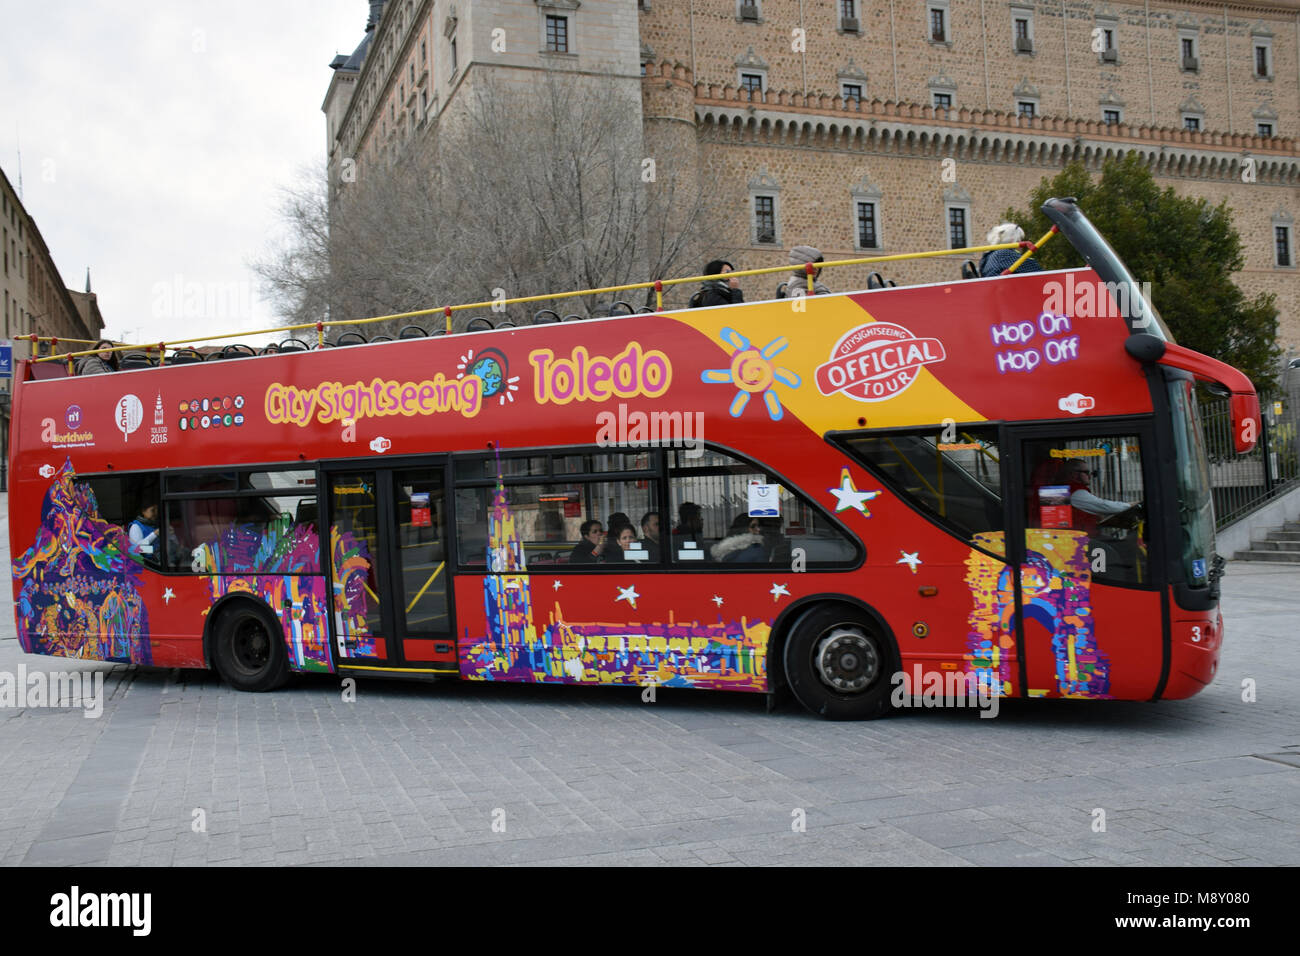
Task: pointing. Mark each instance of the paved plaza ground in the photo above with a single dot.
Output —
(450, 773)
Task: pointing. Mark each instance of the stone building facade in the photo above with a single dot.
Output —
(870, 127)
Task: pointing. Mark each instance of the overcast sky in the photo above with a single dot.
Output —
(155, 138)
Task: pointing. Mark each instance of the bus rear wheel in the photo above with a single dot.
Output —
(839, 665)
(248, 651)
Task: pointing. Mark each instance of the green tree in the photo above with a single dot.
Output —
(1187, 249)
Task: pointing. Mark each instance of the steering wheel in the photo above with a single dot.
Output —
(1125, 519)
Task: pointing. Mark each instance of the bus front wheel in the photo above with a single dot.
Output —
(839, 665)
(247, 650)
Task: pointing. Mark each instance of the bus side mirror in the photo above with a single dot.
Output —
(1245, 421)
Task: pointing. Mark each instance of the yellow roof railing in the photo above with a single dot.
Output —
(658, 285)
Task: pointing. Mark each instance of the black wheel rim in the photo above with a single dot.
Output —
(250, 647)
(846, 659)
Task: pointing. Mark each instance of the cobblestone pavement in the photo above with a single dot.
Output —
(452, 773)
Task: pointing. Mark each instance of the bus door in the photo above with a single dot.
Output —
(388, 558)
(1090, 619)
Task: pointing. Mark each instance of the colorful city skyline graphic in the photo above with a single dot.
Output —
(79, 592)
(730, 655)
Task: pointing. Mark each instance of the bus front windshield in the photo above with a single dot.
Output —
(1195, 503)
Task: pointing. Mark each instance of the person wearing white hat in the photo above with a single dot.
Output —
(800, 256)
(998, 261)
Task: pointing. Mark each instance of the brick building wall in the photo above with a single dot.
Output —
(798, 140)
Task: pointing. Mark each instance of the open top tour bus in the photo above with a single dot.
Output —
(997, 485)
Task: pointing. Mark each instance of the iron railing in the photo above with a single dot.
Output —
(1243, 483)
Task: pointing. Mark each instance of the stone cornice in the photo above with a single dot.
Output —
(907, 136)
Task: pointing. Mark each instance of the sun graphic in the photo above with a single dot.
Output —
(752, 371)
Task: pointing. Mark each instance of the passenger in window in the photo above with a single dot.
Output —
(587, 550)
(800, 256)
(743, 544)
(1086, 505)
(717, 291)
(618, 543)
(996, 262)
(617, 520)
(102, 360)
(690, 522)
(650, 534)
(143, 531)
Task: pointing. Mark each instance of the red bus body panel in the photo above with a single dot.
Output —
(997, 350)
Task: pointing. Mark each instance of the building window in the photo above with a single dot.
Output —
(1261, 60)
(1022, 29)
(942, 101)
(1192, 123)
(1190, 62)
(557, 34)
(867, 236)
(1264, 129)
(849, 22)
(424, 52)
(750, 10)
(938, 25)
(452, 58)
(956, 228)
(751, 82)
(1025, 109)
(1110, 117)
(852, 92)
(765, 219)
(1282, 237)
(1108, 44)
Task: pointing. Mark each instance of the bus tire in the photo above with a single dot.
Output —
(248, 648)
(839, 664)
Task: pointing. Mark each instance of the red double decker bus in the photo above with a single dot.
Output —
(999, 481)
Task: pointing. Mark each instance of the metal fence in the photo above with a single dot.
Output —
(1242, 483)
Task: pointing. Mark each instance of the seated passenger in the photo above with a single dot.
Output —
(717, 291)
(999, 260)
(650, 535)
(743, 544)
(102, 360)
(587, 551)
(690, 523)
(621, 537)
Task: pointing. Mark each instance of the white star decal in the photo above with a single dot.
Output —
(168, 595)
(557, 584)
(911, 559)
(847, 496)
(627, 594)
(778, 590)
(717, 600)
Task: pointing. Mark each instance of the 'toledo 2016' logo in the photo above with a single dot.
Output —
(876, 362)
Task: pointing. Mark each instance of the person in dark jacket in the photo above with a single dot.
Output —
(587, 551)
(717, 291)
(743, 543)
(102, 360)
(996, 262)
